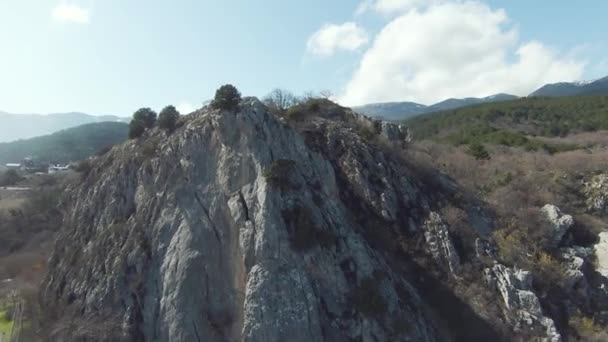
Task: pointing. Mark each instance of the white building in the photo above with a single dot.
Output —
(58, 168)
(13, 166)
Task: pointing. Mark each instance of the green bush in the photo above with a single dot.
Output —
(167, 119)
(227, 97)
(146, 116)
(295, 114)
(478, 151)
(503, 178)
(136, 129)
(314, 105)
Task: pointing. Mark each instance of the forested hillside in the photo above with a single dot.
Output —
(68, 145)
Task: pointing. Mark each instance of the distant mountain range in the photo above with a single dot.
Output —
(67, 145)
(597, 87)
(24, 126)
(406, 110)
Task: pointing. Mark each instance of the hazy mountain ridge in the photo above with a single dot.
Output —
(405, 110)
(469, 101)
(67, 145)
(392, 110)
(535, 116)
(24, 126)
(596, 87)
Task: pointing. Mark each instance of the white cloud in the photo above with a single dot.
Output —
(70, 13)
(331, 38)
(453, 49)
(185, 107)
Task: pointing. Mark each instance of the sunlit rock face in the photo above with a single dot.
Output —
(596, 192)
(522, 306)
(187, 237)
(601, 254)
(560, 222)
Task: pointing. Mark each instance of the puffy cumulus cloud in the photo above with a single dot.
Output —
(331, 38)
(70, 13)
(185, 107)
(455, 49)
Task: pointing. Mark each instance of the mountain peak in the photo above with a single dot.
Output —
(405, 110)
(240, 218)
(593, 87)
(23, 126)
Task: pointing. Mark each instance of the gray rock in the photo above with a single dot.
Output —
(522, 306)
(596, 193)
(396, 132)
(440, 244)
(601, 254)
(484, 248)
(560, 222)
(191, 242)
(574, 260)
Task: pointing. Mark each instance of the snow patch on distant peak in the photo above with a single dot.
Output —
(584, 83)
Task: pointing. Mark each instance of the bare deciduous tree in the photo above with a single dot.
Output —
(279, 100)
(326, 94)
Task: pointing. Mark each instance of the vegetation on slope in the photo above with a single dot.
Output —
(516, 123)
(28, 222)
(505, 154)
(68, 145)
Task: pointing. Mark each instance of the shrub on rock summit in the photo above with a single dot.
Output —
(167, 119)
(227, 97)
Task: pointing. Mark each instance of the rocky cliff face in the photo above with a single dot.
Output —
(233, 228)
(240, 227)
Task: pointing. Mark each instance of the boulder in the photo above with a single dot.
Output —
(596, 193)
(440, 244)
(395, 132)
(521, 304)
(574, 260)
(601, 254)
(560, 222)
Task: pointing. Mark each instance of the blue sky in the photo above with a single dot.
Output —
(114, 56)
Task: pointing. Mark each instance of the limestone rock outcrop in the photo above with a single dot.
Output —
(601, 254)
(235, 228)
(560, 222)
(596, 193)
(440, 244)
(521, 303)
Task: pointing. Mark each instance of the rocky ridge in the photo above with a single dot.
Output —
(188, 238)
(245, 226)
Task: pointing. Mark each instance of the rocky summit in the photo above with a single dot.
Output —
(244, 225)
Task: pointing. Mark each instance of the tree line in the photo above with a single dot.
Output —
(227, 97)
